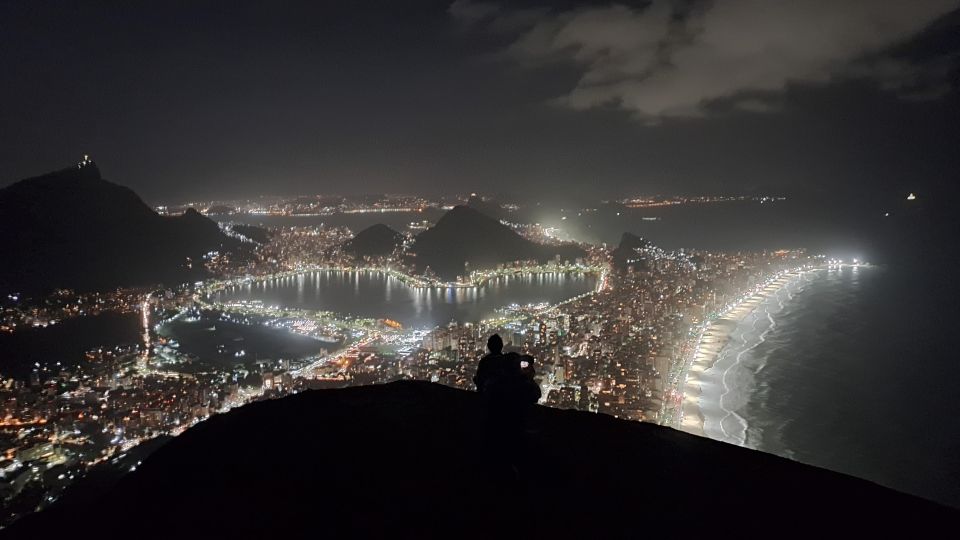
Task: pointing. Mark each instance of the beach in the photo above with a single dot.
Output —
(724, 340)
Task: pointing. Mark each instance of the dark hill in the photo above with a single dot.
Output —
(72, 229)
(405, 460)
(627, 252)
(487, 207)
(374, 241)
(464, 235)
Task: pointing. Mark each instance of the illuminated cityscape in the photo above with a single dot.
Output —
(376, 269)
(620, 348)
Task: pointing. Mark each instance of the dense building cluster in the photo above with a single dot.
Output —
(673, 200)
(295, 247)
(615, 350)
(56, 427)
(19, 314)
(316, 205)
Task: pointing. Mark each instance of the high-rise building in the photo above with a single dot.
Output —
(563, 323)
(516, 338)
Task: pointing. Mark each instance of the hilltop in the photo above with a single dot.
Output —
(374, 241)
(73, 229)
(465, 235)
(626, 254)
(488, 207)
(406, 460)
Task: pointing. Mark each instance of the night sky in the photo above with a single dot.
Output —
(183, 100)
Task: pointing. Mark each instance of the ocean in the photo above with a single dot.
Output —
(851, 370)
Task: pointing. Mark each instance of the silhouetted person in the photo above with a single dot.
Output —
(492, 365)
(508, 389)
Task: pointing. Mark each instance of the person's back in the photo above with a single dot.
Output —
(493, 366)
(503, 379)
(508, 391)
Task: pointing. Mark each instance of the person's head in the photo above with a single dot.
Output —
(495, 344)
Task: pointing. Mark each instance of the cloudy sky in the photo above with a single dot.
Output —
(198, 99)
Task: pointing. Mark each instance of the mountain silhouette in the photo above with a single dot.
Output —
(374, 241)
(626, 254)
(407, 460)
(464, 235)
(73, 229)
(487, 207)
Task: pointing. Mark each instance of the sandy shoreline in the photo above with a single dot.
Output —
(711, 342)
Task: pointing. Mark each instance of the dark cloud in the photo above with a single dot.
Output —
(192, 99)
(672, 58)
(472, 12)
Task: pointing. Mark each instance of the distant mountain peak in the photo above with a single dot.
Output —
(464, 215)
(72, 229)
(86, 162)
(378, 228)
(630, 240)
(488, 207)
(464, 236)
(627, 253)
(81, 172)
(375, 241)
(460, 212)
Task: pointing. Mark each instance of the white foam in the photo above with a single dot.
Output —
(728, 384)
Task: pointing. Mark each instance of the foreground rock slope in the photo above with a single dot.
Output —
(406, 460)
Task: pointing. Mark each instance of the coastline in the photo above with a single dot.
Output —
(711, 342)
(416, 282)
